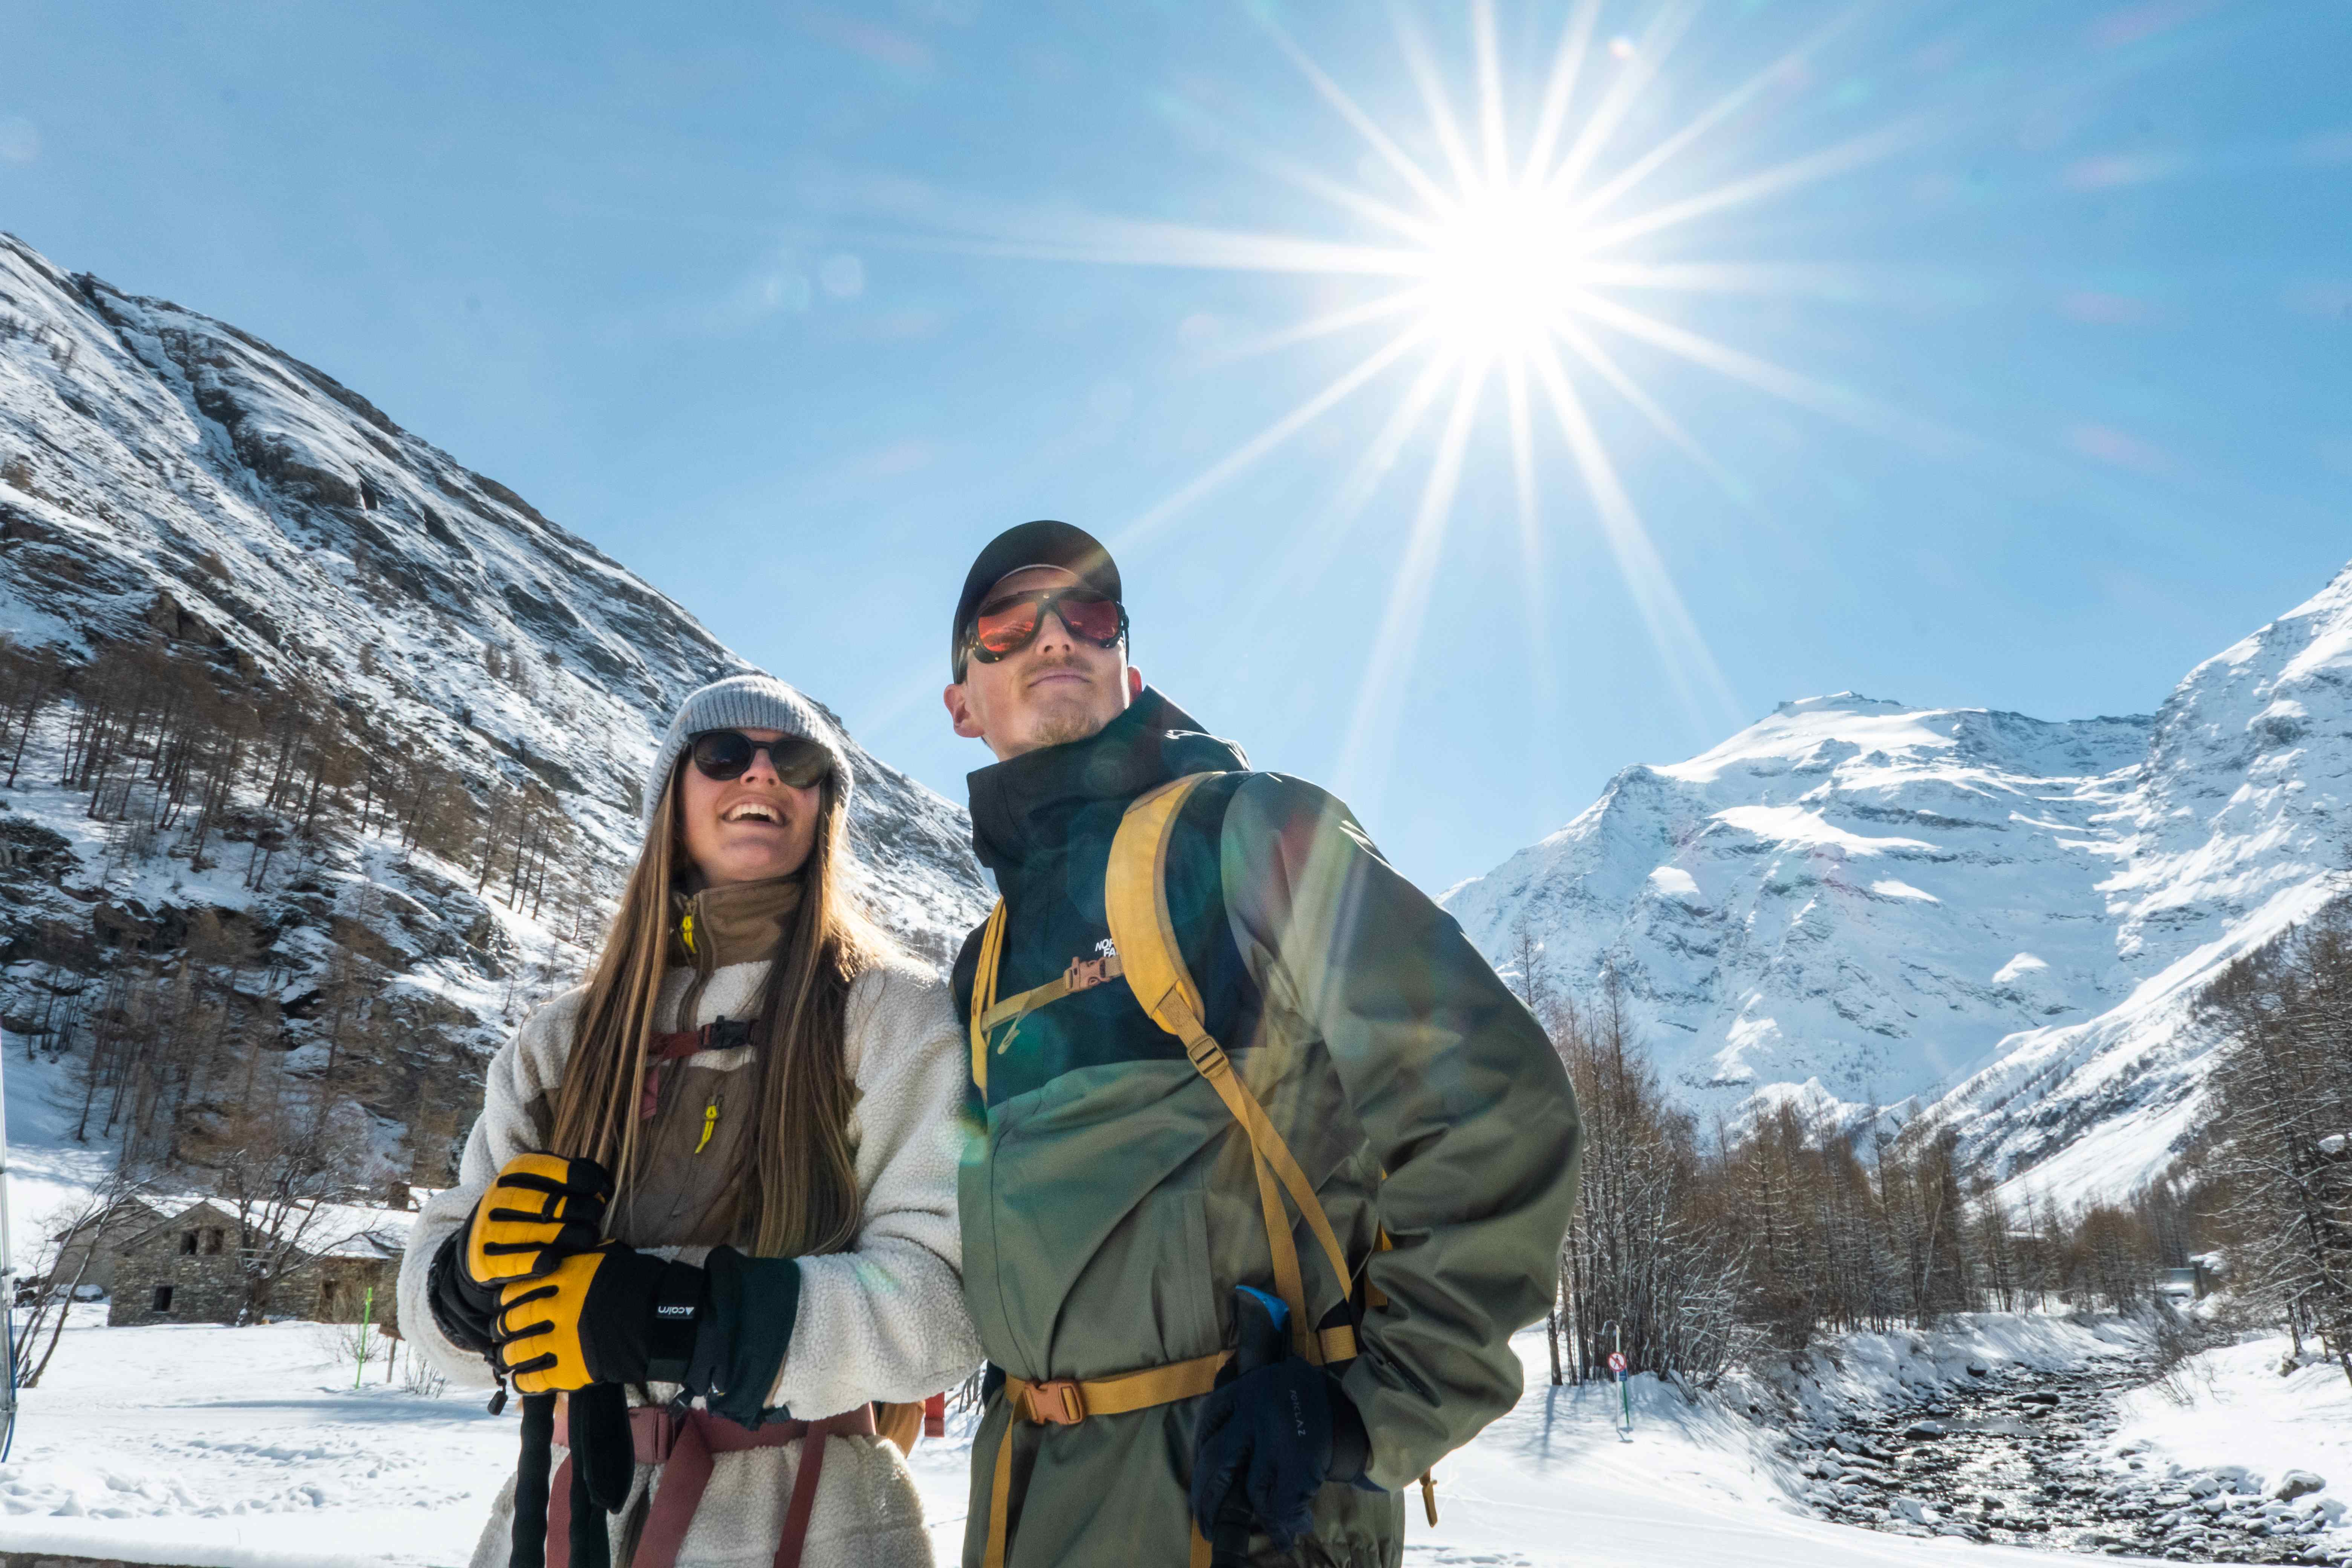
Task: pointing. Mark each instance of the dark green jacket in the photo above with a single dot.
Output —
(1109, 1207)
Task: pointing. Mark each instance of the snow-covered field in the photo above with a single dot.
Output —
(2238, 1410)
(197, 1443)
(250, 1449)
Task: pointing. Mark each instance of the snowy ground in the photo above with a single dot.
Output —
(197, 1443)
(250, 1449)
(2239, 1411)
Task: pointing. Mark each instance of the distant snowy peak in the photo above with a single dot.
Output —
(2004, 920)
(1851, 895)
(2236, 830)
(1819, 733)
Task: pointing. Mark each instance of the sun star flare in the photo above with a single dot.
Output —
(1503, 279)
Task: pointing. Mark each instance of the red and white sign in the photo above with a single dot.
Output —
(1616, 1360)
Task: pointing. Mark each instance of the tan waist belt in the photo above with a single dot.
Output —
(1069, 1401)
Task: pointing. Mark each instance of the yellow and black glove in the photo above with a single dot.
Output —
(542, 1209)
(613, 1315)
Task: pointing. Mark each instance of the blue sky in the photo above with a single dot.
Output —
(1976, 353)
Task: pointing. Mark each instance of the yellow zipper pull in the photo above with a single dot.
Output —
(710, 1123)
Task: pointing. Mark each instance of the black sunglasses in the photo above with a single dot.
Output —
(723, 755)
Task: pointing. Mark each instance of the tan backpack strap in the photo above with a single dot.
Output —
(898, 1423)
(1135, 903)
(983, 994)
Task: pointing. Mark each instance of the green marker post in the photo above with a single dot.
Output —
(367, 1318)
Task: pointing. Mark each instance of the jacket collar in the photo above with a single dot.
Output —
(742, 922)
(1023, 804)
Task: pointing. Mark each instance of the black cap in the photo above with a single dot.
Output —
(1041, 543)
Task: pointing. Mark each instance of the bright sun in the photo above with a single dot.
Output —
(1501, 268)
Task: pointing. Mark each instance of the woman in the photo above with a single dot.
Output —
(711, 1199)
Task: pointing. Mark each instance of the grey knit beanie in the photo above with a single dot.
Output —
(744, 702)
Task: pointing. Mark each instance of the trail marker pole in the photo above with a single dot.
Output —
(367, 1316)
(1624, 1393)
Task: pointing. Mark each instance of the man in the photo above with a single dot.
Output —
(1120, 1197)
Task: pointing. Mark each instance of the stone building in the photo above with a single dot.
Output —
(186, 1267)
(189, 1267)
(87, 1260)
(334, 1285)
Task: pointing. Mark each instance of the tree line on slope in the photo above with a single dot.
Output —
(2274, 1164)
(246, 1046)
(1697, 1247)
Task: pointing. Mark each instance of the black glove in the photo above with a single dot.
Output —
(465, 1311)
(740, 1342)
(1276, 1434)
(613, 1315)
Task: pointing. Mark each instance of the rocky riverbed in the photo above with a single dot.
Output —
(2023, 1456)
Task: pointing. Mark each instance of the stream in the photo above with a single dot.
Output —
(2019, 1456)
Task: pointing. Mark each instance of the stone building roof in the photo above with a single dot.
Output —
(339, 1230)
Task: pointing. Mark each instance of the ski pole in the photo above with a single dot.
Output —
(526, 1547)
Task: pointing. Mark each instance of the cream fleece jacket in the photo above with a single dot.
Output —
(885, 1319)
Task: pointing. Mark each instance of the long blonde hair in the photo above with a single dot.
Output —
(795, 1190)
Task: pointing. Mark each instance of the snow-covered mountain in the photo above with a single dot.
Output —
(1989, 919)
(2233, 830)
(171, 484)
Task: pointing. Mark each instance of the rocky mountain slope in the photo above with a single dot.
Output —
(188, 516)
(1995, 922)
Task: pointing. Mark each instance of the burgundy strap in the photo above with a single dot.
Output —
(684, 1475)
(796, 1513)
(666, 1048)
(720, 1034)
(684, 1450)
(559, 1516)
